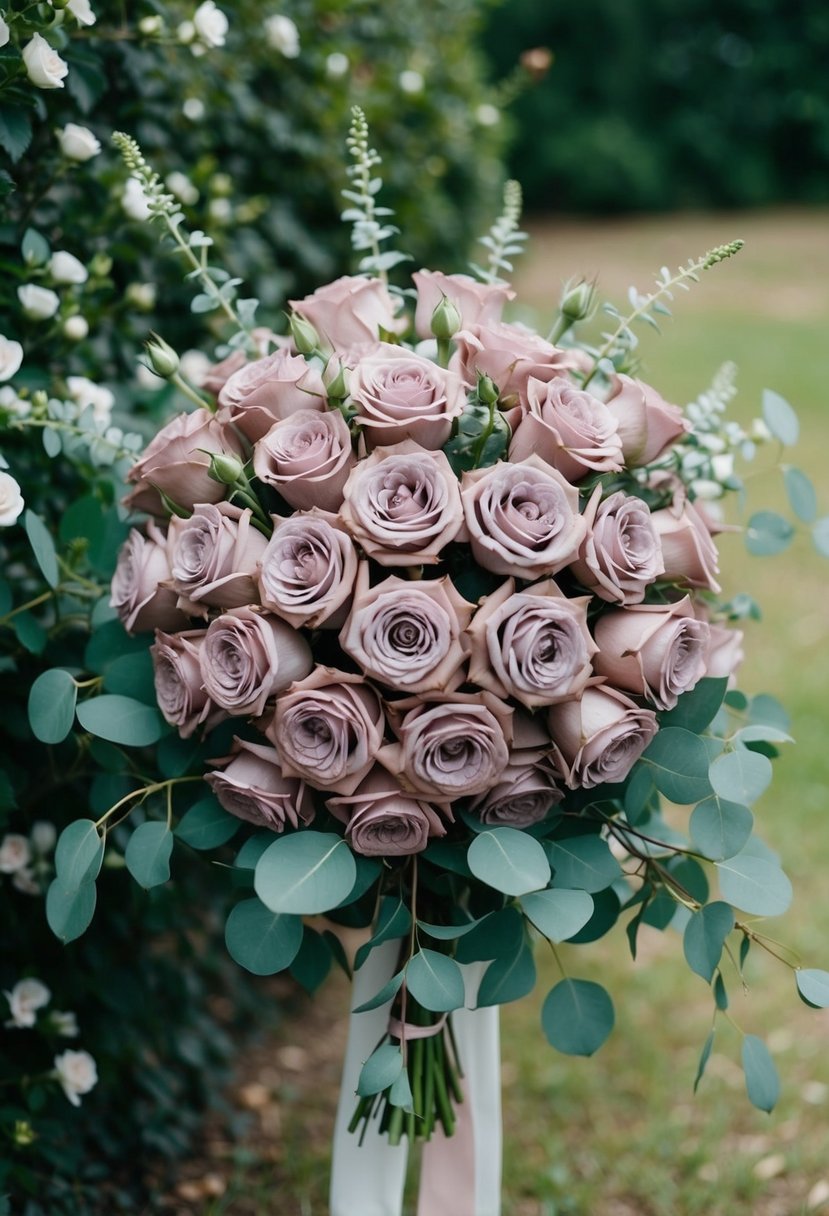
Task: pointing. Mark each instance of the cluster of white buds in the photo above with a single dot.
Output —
(707, 460)
(75, 1071)
(25, 858)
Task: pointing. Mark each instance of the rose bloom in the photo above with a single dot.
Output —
(599, 738)
(403, 505)
(15, 853)
(77, 1074)
(307, 458)
(568, 428)
(253, 787)
(214, 557)
(11, 357)
(382, 820)
(249, 656)
(138, 597)
(44, 66)
(450, 744)
(526, 791)
(178, 681)
(211, 24)
(510, 355)
(477, 303)
(38, 303)
(648, 425)
(308, 569)
(350, 310)
(268, 390)
(11, 500)
(408, 635)
(25, 999)
(688, 551)
(177, 463)
(327, 729)
(621, 555)
(533, 645)
(400, 395)
(522, 519)
(725, 651)
(78, 143)
(656, 651)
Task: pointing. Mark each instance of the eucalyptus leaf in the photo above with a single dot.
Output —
(558, 914)
(754, 885)
(820, 535)
(705, 1055)
(495, 936)
(79, 853)
(705, 936)
(780, 418)
(801, 494)
(768, 533)
(380, 1070)
(436, 981)
(679, 760)
(697, 709)
(261, 941)
(583, 863)
(52, 699)
(313, 960)
(69, 910)
(762, 1081)
(306, 873)
(741, 775)
(400, 1093)
(148, 853)
(386, 994)
(720, 828)
(813, 986)
(43, 547)
(207, 825)
(509, 861)
(577, 1016)
(507, 979)
(394, 921)
(121, 720)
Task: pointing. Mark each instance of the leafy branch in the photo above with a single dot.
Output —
(368, 229)
(504, 239)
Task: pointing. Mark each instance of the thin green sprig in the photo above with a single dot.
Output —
(504, 240)
(368, 227)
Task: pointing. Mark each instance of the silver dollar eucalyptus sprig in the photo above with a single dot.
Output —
(369, 228)
(504, 240)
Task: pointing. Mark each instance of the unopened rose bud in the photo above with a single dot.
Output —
(537, 61)
(76, 328)
(578, 301)
(225, 468)
(100, 266)
(306, 339)
(150, 26)
(163, 359)
(337, 385)
(487, 390)
(446, 320)
(141, 296)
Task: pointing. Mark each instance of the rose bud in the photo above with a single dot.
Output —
(399, 395)
(656, 651)
(533, 645)
(568, 428)
(522, 519)
(307, 458)
(253, 787)
(688, 552)
(249, 656)
(725, 651)
(268, 390)
(214, 556)
(526, 791)
(599, 738)
(407, 635)
(327, 729)
(451, 745)
(137, 595)
(177, 463)
(178, 682)
(511, 356)
(621, 555)
(308, 569)
(476, 303)
(383, 821)
(403, 505)
(350, 310)
(648, 425)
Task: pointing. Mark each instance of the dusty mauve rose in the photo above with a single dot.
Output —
(568, 428)
(403, 505)
(656, 651)
(327, 729)
(178, 681)
(522, 519)
(307, 572)
(382, 820)
(621, 555)
(510, 355)
(307, 458)
(450, 744)
(137, 596)
(248, 656)
(533, 645)
(350, 310)
(526, 791)
(253, 787)
(214, 556)
(688, 552)
(725, 651)
(177, 462)
(647, 423)
(407, 635)
(218, 374)
(477, 303)
(401, 395)
(600, 737)
(268, 390)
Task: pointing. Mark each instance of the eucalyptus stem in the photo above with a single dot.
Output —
(187, 389)
(39, 599)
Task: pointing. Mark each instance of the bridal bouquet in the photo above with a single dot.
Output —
(434, 611)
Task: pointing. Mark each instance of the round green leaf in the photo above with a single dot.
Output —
(306, 873)
(762, 1081)
(148, 853)
(507, 979)
(494, 936)
(207, 825)
(741, 776)
(780, 418)
(380, 1070)
(52, 700)
(121, 720)
(755, 885)
(261, 941)
(679, 760)
(509, 860)
(820, 535)
(384, 995)
(400, 1093)
(131, 675)
(583, 863)
(436, 981)
(577, 1016)
(720, 828)
(705, 936)
(558, 914)
(801, 494)
(313, 960)
(69, 910)
(43, 547)
(813, 986)
(768, 533)
(79, 853)
(697, 709)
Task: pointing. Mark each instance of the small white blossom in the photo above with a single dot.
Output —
(78, 143)
(65, 1023)
(210, 24)
(76, 328)
(487, 115)
(706, 489)
(81, 10)
(44, 66)
(722, 466)
(11, 356)
(43, 836)
(4, 31)
(220, 210)
(38, 303)
(15, 852)
(11, 500)
(281, 34)
(180, 185)
(25, 999)
(759, 431)
(85, 393)
(411, 81)
(336, 65)
(194, 366)
(134, 200)
(77, 1073)
(150, 26)
(186, 32)
(10, 401)
(66, 268)
(25, 882)
(193, 109)
(141, 295)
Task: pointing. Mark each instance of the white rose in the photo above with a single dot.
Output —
(44, 66)
(336, 64)
(181, 186)
(210, 24)
(10, 401)
(11, 356)
(39, 303)
(15, 853)
(25, 999)
(282, 35)
(85, 393)
(77, 1074)
(78, 143)
(43, 836)
(81, 10)
(4, 32)
(134, 200)
(65, 1023)
(76, 328)
(11, 500)
(194, 366)
(66, 268)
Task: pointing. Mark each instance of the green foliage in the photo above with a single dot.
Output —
(148, 854)
(558, 914)
(51, 706)
(262, 941)
(577, 1016)
(307, 873)
(762, 1082)
(435, 981)
(509, 861)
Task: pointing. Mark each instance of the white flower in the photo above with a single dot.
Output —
(180, 185)
(141, 295)
(134, 200)
(4, 31)
(220, 210)
(86, 393)
(39, 303)
(759, 431)
(150, 25)
(210, 23)
(11, 356)
(81, 10)
(336, 64)
(11, 500)
(25, 882)
(186, 31)
(194, 366)
(78, 143)
(44, 66)
(10, 401)
(193, 108)
(43, 836)
(722, 466)
(282, 35)
(76, 328)
(77, 1074)
(706, 489)
(66, 268)
(487, 115)
(15, 852)
(25, 999)
(65, 1023)
(411, 82)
